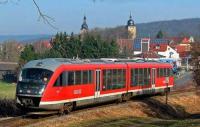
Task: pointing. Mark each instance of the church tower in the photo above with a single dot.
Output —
(84, 26)
(131, 28)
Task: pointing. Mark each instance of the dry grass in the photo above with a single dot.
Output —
(180, 106)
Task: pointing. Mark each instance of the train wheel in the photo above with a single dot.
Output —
(69, 107)
(66, 108)
(126, 97)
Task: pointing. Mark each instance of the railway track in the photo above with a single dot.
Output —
(23, 120)
(29, 119)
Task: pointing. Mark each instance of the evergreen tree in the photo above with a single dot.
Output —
(28, 54)
(160, 35)
(88, 47)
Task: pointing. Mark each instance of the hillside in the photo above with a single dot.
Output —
(170, 28)
(24, 38)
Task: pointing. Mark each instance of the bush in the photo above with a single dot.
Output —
(8, 108)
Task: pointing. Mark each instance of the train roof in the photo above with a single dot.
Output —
(53, 63)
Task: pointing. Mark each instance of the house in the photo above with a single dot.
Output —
(156, 48)
(8, 71)
(42, 46)
(149, 55)
(141, 45)
(166, 51)
(125, 44)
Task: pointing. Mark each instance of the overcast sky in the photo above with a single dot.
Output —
(22, 18)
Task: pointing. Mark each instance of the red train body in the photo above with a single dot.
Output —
(62, 83)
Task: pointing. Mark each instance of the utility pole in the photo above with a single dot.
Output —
(167, 89)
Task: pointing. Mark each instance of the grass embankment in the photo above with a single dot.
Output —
(182, 110)
(7, 90)
(138, 122)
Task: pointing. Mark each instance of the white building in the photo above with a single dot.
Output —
(167, 52)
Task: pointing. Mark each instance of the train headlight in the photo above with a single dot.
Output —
(20, 91)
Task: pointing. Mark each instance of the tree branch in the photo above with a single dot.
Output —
(46, 19)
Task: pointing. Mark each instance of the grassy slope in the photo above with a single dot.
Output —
(139, 122)
(7, 90)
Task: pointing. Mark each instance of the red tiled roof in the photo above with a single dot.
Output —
(44, 43)
(176, 39)
(149, 54)
(182, 48)
(185, 41)
(158, 47)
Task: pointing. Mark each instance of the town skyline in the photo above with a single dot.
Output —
(99, 14)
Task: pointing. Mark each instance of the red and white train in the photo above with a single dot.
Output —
(62, 84)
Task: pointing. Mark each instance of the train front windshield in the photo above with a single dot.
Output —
(33, 80)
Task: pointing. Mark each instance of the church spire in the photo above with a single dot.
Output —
(84, 26)
(130, 21)
(130, 17)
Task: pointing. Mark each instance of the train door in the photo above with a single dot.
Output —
(98, 82)
(153, 77)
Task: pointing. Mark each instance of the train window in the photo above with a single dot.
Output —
(74, 78)
(146, 76)
(78, 77)
(85, 77)
(164, 72)
(114, 76)
(71, 78)
(57, 83)
(122, 74)
(36, 74)
(113, 79)
(158, 72)
(171, 72)
(90, 76)
(64, 78)
(140, 77)
(134, 77)
(161, 72)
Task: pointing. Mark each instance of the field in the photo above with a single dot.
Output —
(7, 90)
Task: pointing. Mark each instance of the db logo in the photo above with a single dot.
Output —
(77, 91)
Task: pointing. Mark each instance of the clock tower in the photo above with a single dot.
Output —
(131, 28)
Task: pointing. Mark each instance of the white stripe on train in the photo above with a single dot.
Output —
(92, 97)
